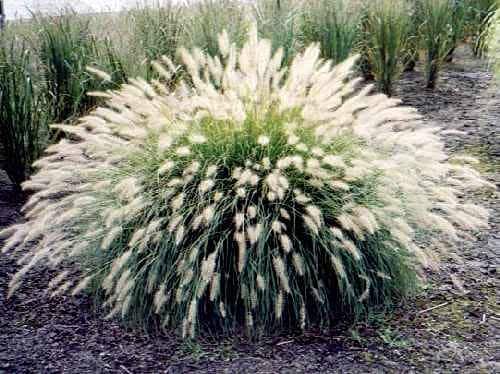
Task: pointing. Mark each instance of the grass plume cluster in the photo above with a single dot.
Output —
(257, 195)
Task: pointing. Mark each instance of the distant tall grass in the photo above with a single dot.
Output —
(208, 18)
(387, 31)
(280, 22)
(459, 12)
(494, 43)
(23, 115)
(436, 35)
(67, 47)
(157, 31)
(335, 25)
(479, 13)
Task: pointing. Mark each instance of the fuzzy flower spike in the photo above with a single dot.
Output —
(250, 193)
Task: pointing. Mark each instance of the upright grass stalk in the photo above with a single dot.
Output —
(458, 26)
(479, 13)
(67, 48)
(280, 22)
(334, 24)
(158, 30)
(412, 45)
(387, 30)
(436, 35)
(23, 112)
(494, 43)
(208, 18)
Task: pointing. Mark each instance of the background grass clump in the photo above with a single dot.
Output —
(494, 43)
(281, 22)
(157, 31)
(478, 16)
(67, 48)
(334, 25)
(23, 117)
(255, 195)
(436, 35)
(386, 42)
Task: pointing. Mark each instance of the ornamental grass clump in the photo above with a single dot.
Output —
(24, 118)
(158, 30)
(478, 17)
(386, 36)
(256, 195)
(334, 25)
(209, 17)
(281, 23)
(436, 35)
(67, 48)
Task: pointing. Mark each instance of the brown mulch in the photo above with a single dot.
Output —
(452, 326)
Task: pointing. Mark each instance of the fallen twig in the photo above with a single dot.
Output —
(434, 307)
(285, 342)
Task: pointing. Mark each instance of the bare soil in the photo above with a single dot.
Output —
(452, 326)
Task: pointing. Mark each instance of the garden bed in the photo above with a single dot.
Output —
(451, 326)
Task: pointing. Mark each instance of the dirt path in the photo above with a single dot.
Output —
(38, 334)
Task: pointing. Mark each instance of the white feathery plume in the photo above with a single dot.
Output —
(239, 219)
(366, 292)
(298, 263)
(278, 306)
(99, 74)
(263, 140)
(280, 269)
(242, 250)
(261, 284)
(206, 185)
(254, 232)
(339, 267)
(286, 243)
(82, 285)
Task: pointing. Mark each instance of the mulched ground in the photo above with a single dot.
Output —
(452, 326)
